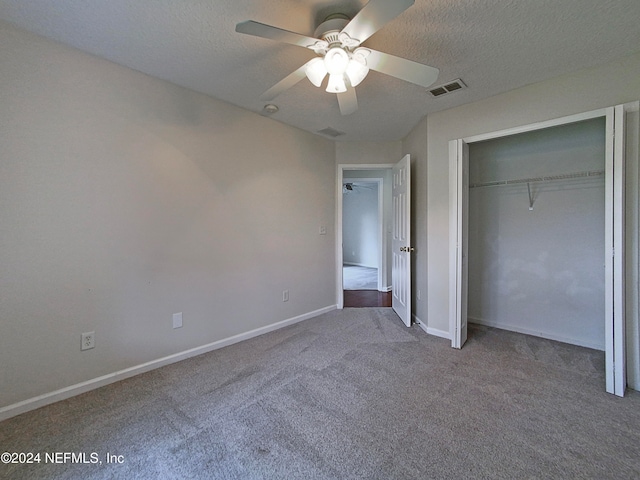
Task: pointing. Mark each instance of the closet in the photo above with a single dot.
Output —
(536, 233)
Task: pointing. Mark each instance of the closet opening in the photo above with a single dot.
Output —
(536, 233)
(498, 255)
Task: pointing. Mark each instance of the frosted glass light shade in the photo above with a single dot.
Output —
(316, 71)
(356, 72)
(336, 61)
(336, 84)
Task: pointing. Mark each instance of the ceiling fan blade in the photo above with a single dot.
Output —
(284, 84)
(373, 16)
(402, 68)
(348, 101)
(274, 33)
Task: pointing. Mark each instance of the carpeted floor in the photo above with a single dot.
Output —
(350, 394)
(359, 278)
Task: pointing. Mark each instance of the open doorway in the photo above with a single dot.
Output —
(363, 272)
(362, 212)
(365, 212)
(396, 232)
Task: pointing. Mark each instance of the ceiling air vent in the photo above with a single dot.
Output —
(447, 88)
(330, 132)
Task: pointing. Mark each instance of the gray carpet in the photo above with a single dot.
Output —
(351, 394)
(359, 278)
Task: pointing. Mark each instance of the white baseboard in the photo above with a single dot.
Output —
(535, 333)
(82, 387)
(431, 331)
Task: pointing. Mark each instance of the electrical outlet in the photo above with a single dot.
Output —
(88, 341)
(177, 320)
(323, 230)
(285, 295)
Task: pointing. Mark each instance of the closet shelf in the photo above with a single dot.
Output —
(549, 178)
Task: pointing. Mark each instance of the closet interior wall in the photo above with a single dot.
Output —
(537, 231)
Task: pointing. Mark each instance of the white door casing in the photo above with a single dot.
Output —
(614, 320)
(401, 238)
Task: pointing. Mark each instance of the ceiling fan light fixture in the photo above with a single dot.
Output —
(336, 60)
(336, 41)
(356, 72)
(316, 71)
(336, 84)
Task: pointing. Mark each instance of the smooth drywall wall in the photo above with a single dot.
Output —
(586, 90)
(368, 152)
(125, 199)
(538, 269)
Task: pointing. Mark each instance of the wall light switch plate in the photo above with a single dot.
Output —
(177, 320)
(323, 230)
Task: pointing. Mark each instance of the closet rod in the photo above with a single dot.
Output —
(565, 176)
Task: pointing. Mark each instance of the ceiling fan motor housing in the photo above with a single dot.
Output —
(331, 28)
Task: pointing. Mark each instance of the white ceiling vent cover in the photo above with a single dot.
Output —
(450, 87)
(331, 132)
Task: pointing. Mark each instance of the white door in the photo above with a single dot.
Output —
(459, 163)
(401, 238)
(615, 371)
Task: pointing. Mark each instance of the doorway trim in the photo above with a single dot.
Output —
(338, 227)
(614, 233)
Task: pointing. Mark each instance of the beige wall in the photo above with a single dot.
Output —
(125, 199)
(368, 152)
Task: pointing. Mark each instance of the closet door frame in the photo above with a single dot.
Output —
(614, 233)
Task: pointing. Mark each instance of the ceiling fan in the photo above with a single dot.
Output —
(351, 188)
(337, 44)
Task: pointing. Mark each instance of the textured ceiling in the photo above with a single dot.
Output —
(494, 46)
